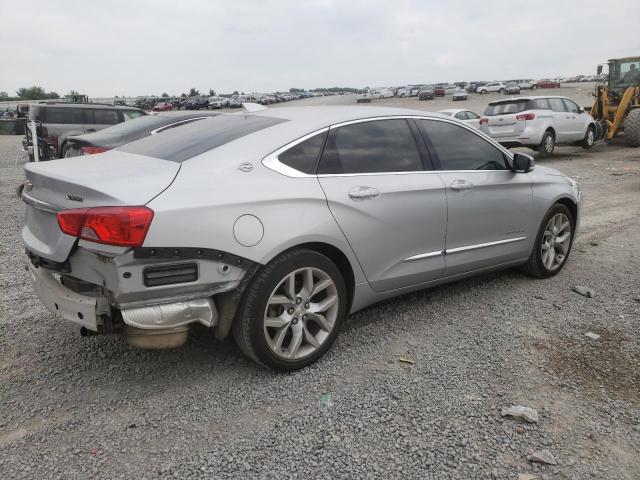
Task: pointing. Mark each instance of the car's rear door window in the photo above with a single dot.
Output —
(538, 104)
(105, 117)
(304, 156)
(378, 146)
(458, 148)
(180, 144)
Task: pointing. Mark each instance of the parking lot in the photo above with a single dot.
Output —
(93, 407)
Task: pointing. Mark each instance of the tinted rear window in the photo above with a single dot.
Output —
(506, 107)
(180, 144)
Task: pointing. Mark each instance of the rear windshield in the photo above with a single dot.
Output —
(180, 144)
(516, 106)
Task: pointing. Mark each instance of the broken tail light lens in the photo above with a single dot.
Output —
(119, 226)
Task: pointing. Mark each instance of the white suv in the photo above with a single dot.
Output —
(492, 87)
(539, 123)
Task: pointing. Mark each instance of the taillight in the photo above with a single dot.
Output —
(484, 121)
(526, 116)
(120, 226)
(92, 150)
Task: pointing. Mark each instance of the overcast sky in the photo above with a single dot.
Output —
(143, 47)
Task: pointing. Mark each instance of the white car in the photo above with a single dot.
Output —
(364, 97)
(408, 92)
(538, 122)
(524, 84)
(382, 93)
(459, 94)
(450, 90)
(465, 116)
(492, 87)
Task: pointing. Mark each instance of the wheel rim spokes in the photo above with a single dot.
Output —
(301, 313)
(556, 241)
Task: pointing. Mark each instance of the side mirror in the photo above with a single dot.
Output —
(580, 110)
(522, 163)
(599, 70)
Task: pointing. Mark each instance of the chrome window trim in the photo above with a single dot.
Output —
(174, 124)
(424, 255)
(272, 162)
(483, 245)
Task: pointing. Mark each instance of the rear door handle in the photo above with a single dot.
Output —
(461, 185)
(91, 130)
(357, 194)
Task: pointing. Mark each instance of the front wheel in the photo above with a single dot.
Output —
(553, 243)
(547, 145)
(589, 138)
(291, 311)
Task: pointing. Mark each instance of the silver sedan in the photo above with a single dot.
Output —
(274, 225)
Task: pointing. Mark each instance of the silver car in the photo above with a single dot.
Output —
(540, 123)
(274, 225)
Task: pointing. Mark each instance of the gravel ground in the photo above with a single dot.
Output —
(73, 407)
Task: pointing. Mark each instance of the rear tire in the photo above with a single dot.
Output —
(547, 145)
(632, 128)
(279, 323)
(589, 138)
(553, 243)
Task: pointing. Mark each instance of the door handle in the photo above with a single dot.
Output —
(358, 194)
(461, 185)
(91, 130)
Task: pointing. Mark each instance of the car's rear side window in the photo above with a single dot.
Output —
(60, 115)
(461, 149)
(538, 104)
(371, 147)
(131, 114)
(180, 144)
(304, 156)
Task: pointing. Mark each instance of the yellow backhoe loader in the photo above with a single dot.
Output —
(617, 104)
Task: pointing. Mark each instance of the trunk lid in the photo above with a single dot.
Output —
(501, 118)
(108, 179)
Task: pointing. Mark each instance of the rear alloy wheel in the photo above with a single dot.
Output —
(292, 311)
(553, 243)
(589, 138)
(547, 144)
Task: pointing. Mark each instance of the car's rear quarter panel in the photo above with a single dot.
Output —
(211, 193)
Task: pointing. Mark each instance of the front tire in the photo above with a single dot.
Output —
(589, 138)
(292, 311)
(553, 243)
(547, 145)
(632, 128)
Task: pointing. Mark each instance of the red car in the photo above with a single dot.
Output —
(547, 84)
(162, 107)
(439, 91)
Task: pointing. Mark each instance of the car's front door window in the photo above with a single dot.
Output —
(460, 149)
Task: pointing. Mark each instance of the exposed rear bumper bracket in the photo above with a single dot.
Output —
(190, 253)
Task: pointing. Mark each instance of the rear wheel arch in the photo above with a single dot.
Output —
(338, 258)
